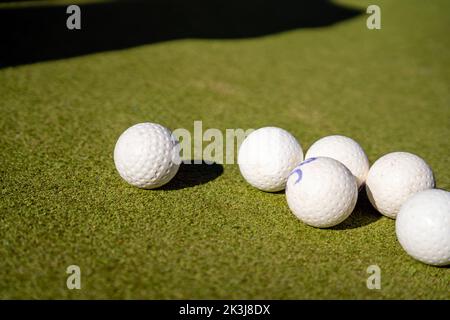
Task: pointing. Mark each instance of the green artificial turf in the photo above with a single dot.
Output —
(62, 201)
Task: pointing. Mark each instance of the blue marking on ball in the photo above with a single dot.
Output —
(298, 170)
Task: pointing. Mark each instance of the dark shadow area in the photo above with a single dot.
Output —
(39, 33)
(363, 214)
(190, 175)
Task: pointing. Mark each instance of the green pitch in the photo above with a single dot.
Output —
(208, 234)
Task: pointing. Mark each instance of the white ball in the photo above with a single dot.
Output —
(267, 156)
(423, 227)
(321, 192)
(147, 155)
(393, 178)
(345, 150)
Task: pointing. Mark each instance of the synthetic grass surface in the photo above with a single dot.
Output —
(62, 201)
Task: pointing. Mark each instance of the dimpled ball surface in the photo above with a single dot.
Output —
(345, 150)
(321, 192)
(267, 156)
(146, 155)
(423, 227)
(395, 177)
